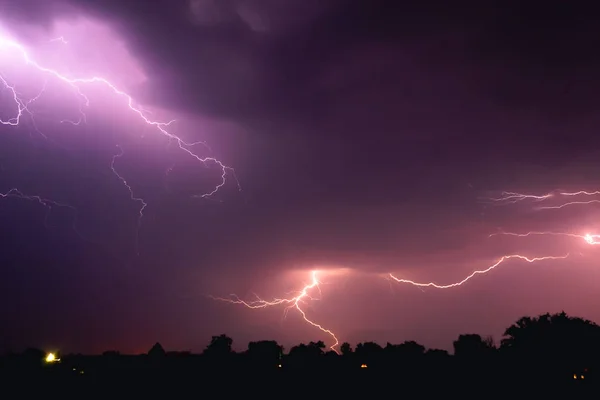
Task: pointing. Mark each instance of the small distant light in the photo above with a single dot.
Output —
(582, 377)
(279, 366)
(363, 366)
(574, 376)
(51, 358)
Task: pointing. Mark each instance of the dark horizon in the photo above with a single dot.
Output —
(546, 354)
(235, 346)
(358, 139)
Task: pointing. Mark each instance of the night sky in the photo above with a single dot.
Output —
(365, 136)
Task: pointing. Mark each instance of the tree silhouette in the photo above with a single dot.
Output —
(265, 353)
(317, 347)
(312, 349)
(219, 346)
(437, 354)
(306, 355)
(411, 349)
(368, 353)
(346, 349)
(404, 356)
(473, 346)
(553, 342)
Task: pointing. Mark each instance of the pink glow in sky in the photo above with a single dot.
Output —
(75, 48)
(83, 47)
(388, 233)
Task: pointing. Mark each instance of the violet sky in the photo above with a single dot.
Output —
(364, 135)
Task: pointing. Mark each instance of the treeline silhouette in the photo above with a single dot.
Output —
(546, 354)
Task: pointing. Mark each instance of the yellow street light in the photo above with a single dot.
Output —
(51, 358)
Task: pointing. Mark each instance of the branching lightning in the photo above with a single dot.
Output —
(569, 203)
(47, 203)
(513, 198)
(23, 108)
(561, 197)
(139, 200)
(588, 237)
(507, 198)
(478, 272)
(294, 302)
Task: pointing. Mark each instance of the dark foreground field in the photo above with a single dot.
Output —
(193, 377)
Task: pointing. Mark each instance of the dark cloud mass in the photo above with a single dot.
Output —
(363, 133)
(274, 71)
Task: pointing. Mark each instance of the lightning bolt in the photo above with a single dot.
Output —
(513, 197)
(477, 272)
(60, 39)
(567, 204)
(46, 203)
(581, 192)
(78, 84)
(589, 238)
(139, 200)
(294, 302)
(507, 198)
